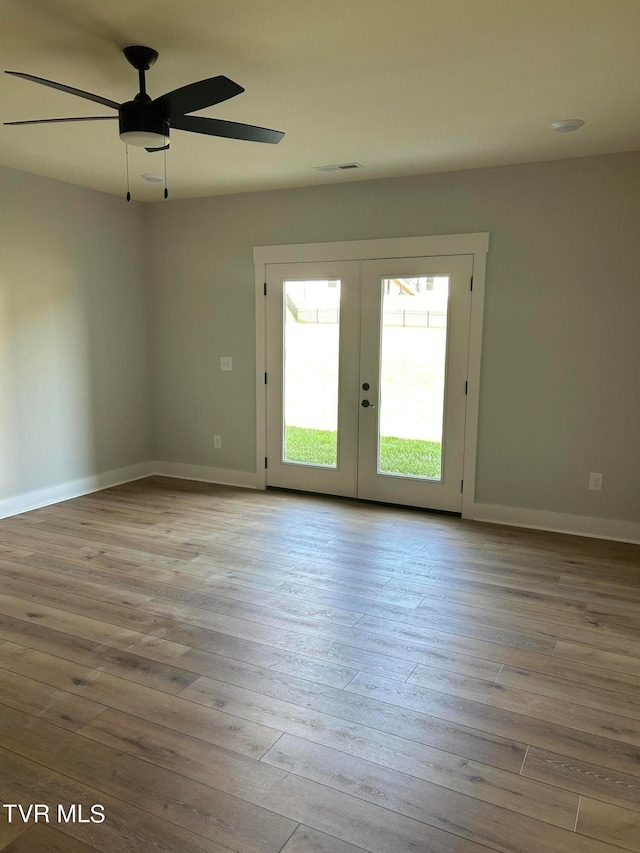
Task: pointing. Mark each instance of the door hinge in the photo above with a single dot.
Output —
(461, 486)
(265, 378)
(470, 284)
(466, 386)
(265, 461)
(265, 288)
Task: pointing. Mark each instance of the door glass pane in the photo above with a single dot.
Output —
(412, 374)
(311, 311)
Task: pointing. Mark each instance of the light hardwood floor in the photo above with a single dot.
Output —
(230, 670)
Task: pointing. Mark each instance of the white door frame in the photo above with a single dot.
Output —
(360, 250)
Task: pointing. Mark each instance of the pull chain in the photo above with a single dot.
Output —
(166, 191)
(128, 184)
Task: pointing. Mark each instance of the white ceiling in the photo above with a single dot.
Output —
(402, 86)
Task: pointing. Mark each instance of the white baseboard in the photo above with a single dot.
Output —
(205, 474)
(557, 522)
(74, 489)
(576, 525)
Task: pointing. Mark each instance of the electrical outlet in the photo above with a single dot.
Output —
(595, 482)
(217, 442)
(226, 362)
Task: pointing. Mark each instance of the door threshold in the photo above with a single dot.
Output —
(364, 502)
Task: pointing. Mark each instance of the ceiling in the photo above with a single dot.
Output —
(403, 87)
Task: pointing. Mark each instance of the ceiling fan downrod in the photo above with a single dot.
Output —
(142, 58)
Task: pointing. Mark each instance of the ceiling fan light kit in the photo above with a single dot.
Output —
(147, 123)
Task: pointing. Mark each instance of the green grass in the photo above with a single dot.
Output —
(313, 446)
(412, 457)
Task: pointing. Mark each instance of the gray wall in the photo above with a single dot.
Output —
(74, 356)
(560, 388)
(84, 279)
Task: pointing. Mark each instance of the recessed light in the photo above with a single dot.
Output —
(153, 179)
(567, 125)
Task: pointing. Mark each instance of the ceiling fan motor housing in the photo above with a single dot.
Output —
(139, 125)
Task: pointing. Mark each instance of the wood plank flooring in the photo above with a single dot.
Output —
(228, 670)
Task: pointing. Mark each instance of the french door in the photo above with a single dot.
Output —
(366, 378)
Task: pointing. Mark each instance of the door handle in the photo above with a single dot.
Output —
(367, 405)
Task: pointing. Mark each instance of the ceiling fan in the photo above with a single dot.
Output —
(146, 123)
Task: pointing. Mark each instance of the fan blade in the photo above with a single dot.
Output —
(229, 129)
(69, 89)
(197, 96)
(54, 120)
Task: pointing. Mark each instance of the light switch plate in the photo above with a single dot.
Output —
(226, 362)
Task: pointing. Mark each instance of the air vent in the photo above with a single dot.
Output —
(339, 167)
